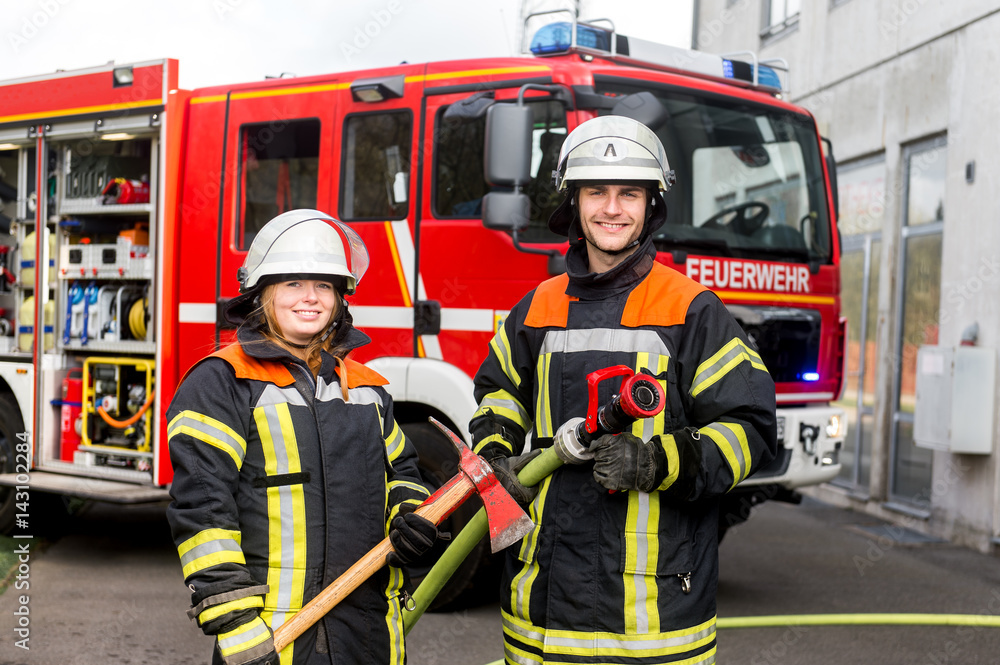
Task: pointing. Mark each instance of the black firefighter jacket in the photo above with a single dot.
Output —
(627, 577)
(279, 486)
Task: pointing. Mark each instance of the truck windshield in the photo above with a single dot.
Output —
(749, 178)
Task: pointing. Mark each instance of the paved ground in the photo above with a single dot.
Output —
(110, 592)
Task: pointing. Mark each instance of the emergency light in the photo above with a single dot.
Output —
(557, 38)
(810, 376)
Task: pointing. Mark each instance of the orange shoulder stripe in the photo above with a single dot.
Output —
(550, 304)
(361, 375)
(248, 367)
(662, 299)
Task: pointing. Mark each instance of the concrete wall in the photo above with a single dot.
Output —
(880, 75)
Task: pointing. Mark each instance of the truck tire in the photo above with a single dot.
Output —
(476, 580)
(10, 426)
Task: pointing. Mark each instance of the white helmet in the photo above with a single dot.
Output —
(612, 147)
(305, 242)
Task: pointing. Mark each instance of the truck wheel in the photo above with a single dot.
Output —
(10, 426)
(471, 583)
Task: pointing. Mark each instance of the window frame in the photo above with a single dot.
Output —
(341, 184)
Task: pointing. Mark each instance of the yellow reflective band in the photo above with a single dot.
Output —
(245, 637)
(216, 611)
(647, 428)
(673, 461)
(716, 367)
(501, 349)
(211, 431)
(394, 617)
(520, 600)
(395, 442)
(208, 548)
(286, 512)
(605, 645)
(731, 440)
(503, 403)
(491, 439)
(543, 407)
(642, 548)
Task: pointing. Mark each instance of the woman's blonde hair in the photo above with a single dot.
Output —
(272, 331)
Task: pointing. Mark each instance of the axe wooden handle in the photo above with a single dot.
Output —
(434, 509)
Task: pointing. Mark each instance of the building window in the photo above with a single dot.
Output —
(780, 16)
(375, 179)
(861, 186)
(279, 167)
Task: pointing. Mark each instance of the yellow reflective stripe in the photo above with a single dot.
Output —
(503, 403)
(520, 599)
(394, 617)
(491, 439)
(501, 349)
(216, 611)
(543, 406)
(716, 367)
(732, 442)
(395, 442)
(673, 461)
(408, 485)
(606, 645)
(211, 431)
(642, 548)
(208, 548)
(286, 514)
(647, 428)
(245, 637)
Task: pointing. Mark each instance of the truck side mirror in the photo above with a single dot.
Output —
(507, 154)
(506, 211)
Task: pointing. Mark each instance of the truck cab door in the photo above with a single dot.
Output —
(276, 158)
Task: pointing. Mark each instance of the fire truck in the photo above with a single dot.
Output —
(127, 205)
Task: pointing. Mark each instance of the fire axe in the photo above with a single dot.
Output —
(508, 523)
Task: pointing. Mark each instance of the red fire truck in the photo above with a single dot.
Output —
(127, 205)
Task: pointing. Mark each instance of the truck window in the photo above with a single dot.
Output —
(459, 185)
(279, 165)
(375, 178)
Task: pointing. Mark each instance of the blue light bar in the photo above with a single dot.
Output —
(810, 376)
(557, 38)
(767, 76)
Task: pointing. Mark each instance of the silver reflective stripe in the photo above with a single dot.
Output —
(211, 547)
(365, 395)
(644, 162)
(508, 405)
(394, 444)
(274, 395)
(521, 631)
(625, 340)
(235, 447)
(328, 392)
(737, 351)
(623, 643)
(734, 444)
(242, 637)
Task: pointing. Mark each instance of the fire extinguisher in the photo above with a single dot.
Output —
(124, 190)
(72, 405)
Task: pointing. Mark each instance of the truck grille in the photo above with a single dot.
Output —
(787, 338)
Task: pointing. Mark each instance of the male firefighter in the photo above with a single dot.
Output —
(623, 564)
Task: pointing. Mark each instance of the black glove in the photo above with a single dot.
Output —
(625, 462)
(411, 536)
(268, 658)
(506, 470)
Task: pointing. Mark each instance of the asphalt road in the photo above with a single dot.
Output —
(110, 592)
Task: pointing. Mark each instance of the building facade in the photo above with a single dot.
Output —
(907, 92)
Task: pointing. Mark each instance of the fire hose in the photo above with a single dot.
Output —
(640, 396)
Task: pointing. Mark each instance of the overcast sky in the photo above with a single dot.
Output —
(228, 41)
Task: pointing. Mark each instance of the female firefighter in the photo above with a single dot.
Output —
(288, 464)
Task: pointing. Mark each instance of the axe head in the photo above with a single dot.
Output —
(508, 523)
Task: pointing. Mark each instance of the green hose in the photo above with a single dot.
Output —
(782, 620)
(533, 473)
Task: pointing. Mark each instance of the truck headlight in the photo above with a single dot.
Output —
(835, 426)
